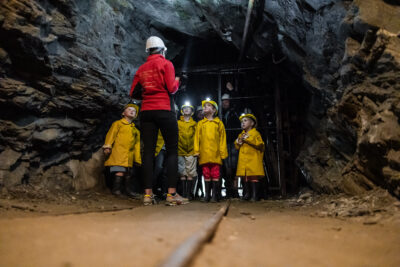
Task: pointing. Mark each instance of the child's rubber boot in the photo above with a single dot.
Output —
(207, 192)
(189, 189)
(215, 186)
(184, 189)
(254, 189)
(116, 187)
(128, 190)
(246, 191)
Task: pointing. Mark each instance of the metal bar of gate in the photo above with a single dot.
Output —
(279, 137)
(248, 97)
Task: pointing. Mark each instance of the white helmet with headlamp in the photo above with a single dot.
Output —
(155, 43)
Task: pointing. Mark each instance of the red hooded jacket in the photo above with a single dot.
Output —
(156, 79)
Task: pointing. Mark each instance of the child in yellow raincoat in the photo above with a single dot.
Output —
(122, 148)
(251, 151)
(187, 162)
(210, 146)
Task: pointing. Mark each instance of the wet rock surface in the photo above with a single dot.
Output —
(66, 68)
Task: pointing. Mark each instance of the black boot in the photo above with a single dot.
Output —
(215, 195)
(246, 190)
(189, 189)
(235, 193)
(207, 191)
(254, 189)
(184, 189)
(116, 188)
(128, 188)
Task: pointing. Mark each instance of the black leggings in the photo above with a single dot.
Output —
(150, 122)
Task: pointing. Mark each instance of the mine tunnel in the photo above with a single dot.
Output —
(321, 79)
(272, 92)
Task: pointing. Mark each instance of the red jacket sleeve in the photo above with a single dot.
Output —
(172, 84)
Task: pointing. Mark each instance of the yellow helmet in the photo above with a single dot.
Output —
(130, 105)
(187, 104)
(251, 116)
(212, 103)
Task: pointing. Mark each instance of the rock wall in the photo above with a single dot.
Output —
(349, 54)
(66, 68)
(354, 139)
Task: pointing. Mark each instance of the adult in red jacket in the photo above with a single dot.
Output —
(155, 83)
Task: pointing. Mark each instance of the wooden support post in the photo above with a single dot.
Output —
(246, 28)
(219, 96)
(288, 132)
(279, 137)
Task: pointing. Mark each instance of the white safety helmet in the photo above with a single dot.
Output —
(225, 96)
(155, 42)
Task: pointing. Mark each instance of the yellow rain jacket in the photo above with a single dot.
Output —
(187, 130)
(124, 140)
(160, 143)
(251, 154)
(210, 141)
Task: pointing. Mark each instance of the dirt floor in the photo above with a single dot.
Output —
(256, 235)
(97, 229)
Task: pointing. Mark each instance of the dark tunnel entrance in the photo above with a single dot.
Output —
(272, 92)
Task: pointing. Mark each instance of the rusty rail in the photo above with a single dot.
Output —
(186, 252)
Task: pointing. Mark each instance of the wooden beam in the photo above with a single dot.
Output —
(223, 69)
(279, 136)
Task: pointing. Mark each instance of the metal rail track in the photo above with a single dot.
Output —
(187, 250)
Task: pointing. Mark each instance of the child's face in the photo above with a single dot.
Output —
(187, 111)
(130, 113)
(247, 123)
(209, 109)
